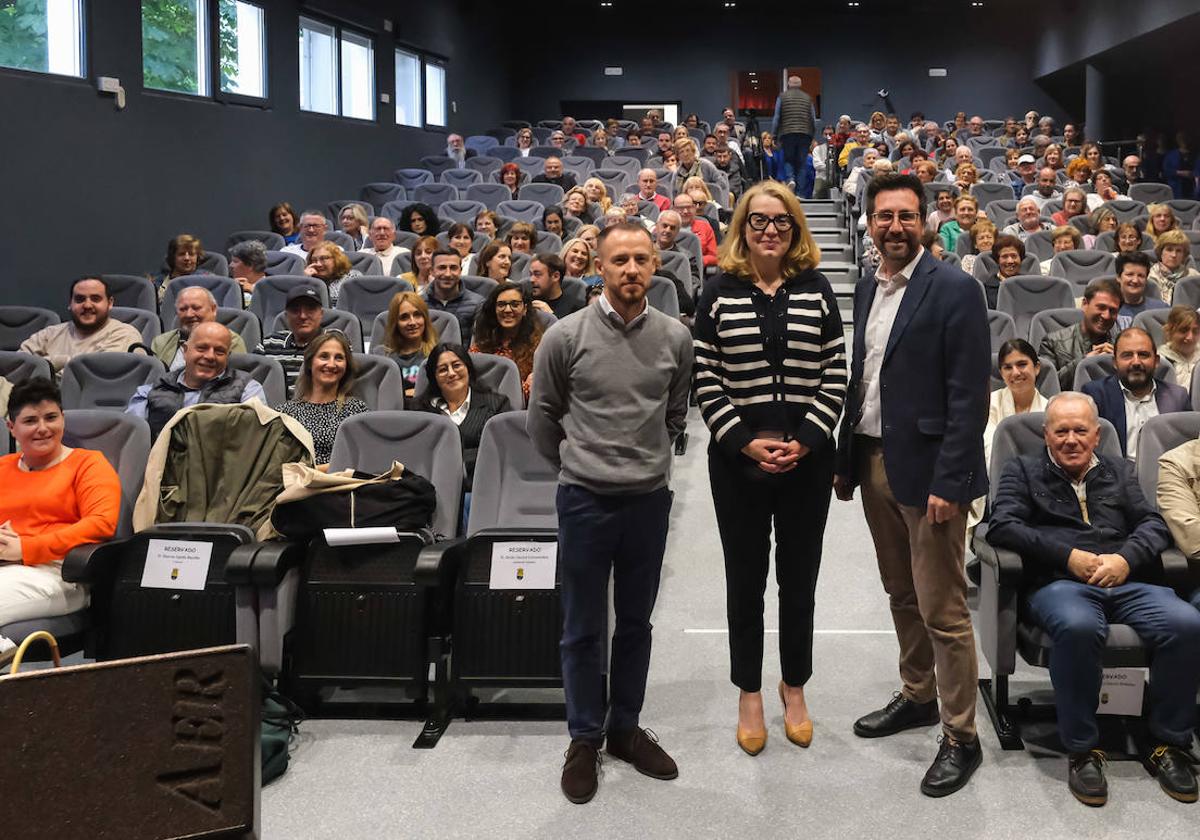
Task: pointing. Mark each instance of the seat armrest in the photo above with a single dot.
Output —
(1006, 565)
(437, 564)
(88, 563)
(1182, 574)
(272, 560)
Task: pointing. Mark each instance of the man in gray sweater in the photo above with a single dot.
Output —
(610, 395)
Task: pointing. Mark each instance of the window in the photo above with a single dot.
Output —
(337, 71)
(174, 46)
(408, 89)
(435, 95)
(243, 49)
(45, 36)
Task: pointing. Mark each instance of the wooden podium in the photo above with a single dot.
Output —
(156, 747)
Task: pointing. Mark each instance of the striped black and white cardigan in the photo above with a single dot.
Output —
(754, 352)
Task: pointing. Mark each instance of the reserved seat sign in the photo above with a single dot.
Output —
(524, 565)
(176, 564)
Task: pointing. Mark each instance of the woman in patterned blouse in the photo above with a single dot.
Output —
(507, 326)
(322, 400)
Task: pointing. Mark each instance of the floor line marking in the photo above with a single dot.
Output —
(715, 631)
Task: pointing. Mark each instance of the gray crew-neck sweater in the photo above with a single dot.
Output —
(608, 402)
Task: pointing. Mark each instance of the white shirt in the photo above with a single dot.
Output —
(1080, 485)
(889, 291)
(459, 414)
(615, 316)
(1137, 411)
(295, 248)
(385, 257)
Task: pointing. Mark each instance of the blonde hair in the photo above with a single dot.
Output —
(1172, 237)
(360, 215)
(802, 254)
(604, 201)
(590, 269)
(391, 333)
(697, 183)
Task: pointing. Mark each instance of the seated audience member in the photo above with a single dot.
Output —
(1024, 174)
(1047, 188)
(461, 238)
(511, 176)
(184, 254)
(589, 234)
(708, 146)
(421, 220)
(204, 378)
(508, 326)
(728, 164)
(1052, 157)
(552, 173)
(322, 399)
(1008, 252)
(1162, 219)
(612, 216)
(354, 223)
(853, 185)
(1074, 203)
(1174, 252)
(597, 196)
(329, 263)
(313, 227)
(546, 273)
(571, 130)
(521, 237)
(962, 155)
(706, 208)
(1092, 336)
(1127, 238)
(1131, 396)
(457, 151)
(1079, 173)
(495, 261)
(685, 206)
(447, 293)
(408, 337)
(666, 234)
(631, 208)
(90, 329)
(552, 221)
(1131, 167)
(1090, 542)
(942, 211)
(1178, 486)
(1029, 220)
(647, 189)
(303, 313)
(193, 305)
(966, 176)
(5, 390)
(601, 140)
(966, 212)
(55, 498)
(1103, 189)
(579, 261)
(691, 164)
(248, 265)
(633, 140)
(285, 222)
(577, 205)
(454, 391)
(558, 139)
(382, 243)
(422, 263)
(525, 141)
(983, 237)
(861, 137)
(1133, 270)
(487, 223)
(925, 170)
(1181, 333)
(1062, 238)
(1102, 220)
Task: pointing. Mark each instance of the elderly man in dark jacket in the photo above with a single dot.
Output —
(1090, 542)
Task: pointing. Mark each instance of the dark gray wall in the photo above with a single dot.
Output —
(858, 55)
(93, 189)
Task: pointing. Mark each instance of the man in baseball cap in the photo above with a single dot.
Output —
(303, 313)
(1025, 173)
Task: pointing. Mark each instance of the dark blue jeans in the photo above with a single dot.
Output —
(1077, 616)
(795, 154)
(626, 535)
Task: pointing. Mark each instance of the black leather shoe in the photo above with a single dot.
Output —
(1176, 776)
(581, 771)
(953, 767)
(1085, 777)
(898, 715)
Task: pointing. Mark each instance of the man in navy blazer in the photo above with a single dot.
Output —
(912, 437)
(1131, 396)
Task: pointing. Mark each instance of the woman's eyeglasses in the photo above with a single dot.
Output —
(760, 221)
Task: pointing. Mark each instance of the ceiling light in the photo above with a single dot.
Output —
(853, 4)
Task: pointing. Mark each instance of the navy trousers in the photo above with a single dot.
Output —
(795, 154)
(625, 535)
(1077, 615)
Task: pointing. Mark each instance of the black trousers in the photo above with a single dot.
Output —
(797, 503)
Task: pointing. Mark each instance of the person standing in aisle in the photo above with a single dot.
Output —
(610, 395)
(770, 381)
(916, 409)
(794, 124)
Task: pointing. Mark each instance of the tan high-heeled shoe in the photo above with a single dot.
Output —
(800, 734)
(752, 741)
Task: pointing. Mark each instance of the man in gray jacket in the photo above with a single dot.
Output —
(1092, 336)
(610, 395)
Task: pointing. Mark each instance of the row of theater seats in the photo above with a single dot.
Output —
(327, 617)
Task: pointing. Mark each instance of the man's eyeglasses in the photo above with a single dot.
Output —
(906, 217)
(759, 222)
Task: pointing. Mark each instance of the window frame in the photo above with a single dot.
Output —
(214, 54)
(410, 52)
(85, 56)
(428, 61)
(205, 8)
(339, 29)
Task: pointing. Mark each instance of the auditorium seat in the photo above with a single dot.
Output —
(1091, 368)
(283, 262)
(1040, 244)
(107, 380)
(662, 295)
(267, 371)
(677, 264)
(630, 166)
(1049, 320)
(271, 240)
(1186, 211)
(331, 319)
(1025, 295)
(444, 323)
(1187, 293)
(1002, 328)
(215, 263)
(1082, 266)
(1153, 321)
(997, 210)
(545, 194)
(1107, 241)
(16, 366)
(437, 164)
(333, 209)
(1158, 436)
(494, 372)
(479, 285)
(581, 167)
(616, 180)
(462, 210)
(17, 323)
(547, 242)
(243, 322)
(379, 193)
(460, 179)
(986, 267)
(521, 210)
(489, 195)
(410, 179)
(1148, 193)
(531, 166)
(639, 153)
(434, 194)
(132, 290)
(378, 382)
(270, 295)
(365, 263)
(1125, 209)
(340, 239)
(366, 297)
(146, 323)
(227, 292)
(485, 165)
(505, 154)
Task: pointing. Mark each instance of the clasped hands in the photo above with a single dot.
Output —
(10, 543)
(775, 456)
(1103, 570)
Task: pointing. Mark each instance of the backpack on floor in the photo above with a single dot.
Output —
(280, 722)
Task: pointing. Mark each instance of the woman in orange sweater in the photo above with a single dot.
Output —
(55, 498)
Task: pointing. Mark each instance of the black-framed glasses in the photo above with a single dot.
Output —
(510, 304)
(906, 217)
(760, 221)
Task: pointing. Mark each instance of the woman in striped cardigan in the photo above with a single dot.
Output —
(770, 378)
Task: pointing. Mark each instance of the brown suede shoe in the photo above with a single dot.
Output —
(580, 776)
(640, 748)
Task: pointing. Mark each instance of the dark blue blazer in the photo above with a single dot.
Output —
(1111, 402)
(934, 383)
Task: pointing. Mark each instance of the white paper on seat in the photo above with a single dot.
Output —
(1121, 691)
(360, 536)
(176, 564)
(524, 565)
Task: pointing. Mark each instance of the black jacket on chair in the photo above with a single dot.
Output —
(934, 384)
